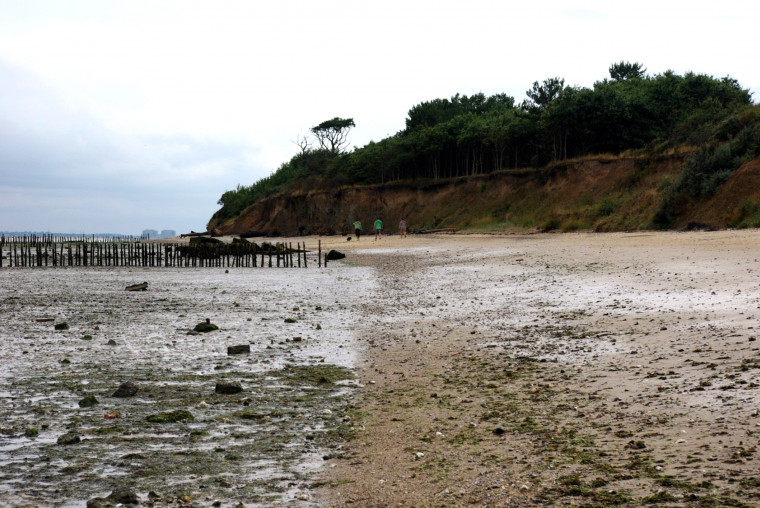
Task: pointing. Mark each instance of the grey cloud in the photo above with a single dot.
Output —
(58, 165)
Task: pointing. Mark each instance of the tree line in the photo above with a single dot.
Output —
(476, 134)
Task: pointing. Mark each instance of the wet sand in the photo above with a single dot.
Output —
(259, 446)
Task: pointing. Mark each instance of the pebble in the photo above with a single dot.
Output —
(68, 439)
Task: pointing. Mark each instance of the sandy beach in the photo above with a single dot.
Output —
(559, 369)
(510, 370)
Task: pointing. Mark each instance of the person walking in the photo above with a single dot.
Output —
(357, 229)
(402, 228)
(378, 229)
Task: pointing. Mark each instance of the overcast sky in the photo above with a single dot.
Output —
(119, 116)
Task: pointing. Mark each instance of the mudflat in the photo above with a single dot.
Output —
(435, 370)
(554, 370)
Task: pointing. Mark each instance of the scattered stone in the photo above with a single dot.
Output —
(334, 255)
(68, 439)
(239, 350)
(99, 502)
(498, 430)
(111, 342)
(88, 401)
(228, 387)
(297, 339)
(61, 326)
(181, 415)
(636, 445)
(128, 389)
(143, 286)
(207, 326)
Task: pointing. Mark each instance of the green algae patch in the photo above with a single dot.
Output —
(181, 415)
(109, 430)
(318, 375)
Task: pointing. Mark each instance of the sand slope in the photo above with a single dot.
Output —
(597, 369)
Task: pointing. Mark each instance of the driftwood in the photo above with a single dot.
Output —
(137, 287)
(192, 234)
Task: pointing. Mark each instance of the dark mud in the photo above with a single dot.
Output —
(257, 447)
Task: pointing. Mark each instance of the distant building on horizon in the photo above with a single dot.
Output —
(165, 233)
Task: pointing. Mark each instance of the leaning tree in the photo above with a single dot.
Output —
(332, 135)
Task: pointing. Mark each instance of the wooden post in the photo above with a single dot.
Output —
(319, 253)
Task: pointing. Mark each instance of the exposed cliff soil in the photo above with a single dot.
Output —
(601, 194)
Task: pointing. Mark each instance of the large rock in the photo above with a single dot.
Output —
(334, 254)
(204, 240)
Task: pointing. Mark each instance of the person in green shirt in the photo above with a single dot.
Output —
(357, 229)
(378, 228)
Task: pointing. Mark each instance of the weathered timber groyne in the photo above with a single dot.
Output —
(33, 251)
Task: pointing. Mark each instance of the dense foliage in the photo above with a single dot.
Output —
(467, 135)
(733, 142)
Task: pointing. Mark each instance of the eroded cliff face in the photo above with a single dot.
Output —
(603, 195)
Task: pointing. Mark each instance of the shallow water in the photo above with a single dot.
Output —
(256, 447)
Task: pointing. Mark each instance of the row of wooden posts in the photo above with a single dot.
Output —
(240, 254)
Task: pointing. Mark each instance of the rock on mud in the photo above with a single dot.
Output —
(239, 350)
(228, 387)
(206, 326)
(128, 389)
(334, 255)
(119, 496)
(88, 401)
(68, 439)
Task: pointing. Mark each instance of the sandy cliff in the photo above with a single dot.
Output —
(598, 194)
